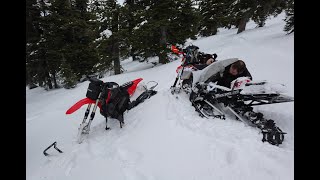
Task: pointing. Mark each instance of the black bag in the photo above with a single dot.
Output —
(94, 89)
(116, 103)
(192, 53)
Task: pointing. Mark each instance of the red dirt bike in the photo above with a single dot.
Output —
(112, 99)
(192, 60)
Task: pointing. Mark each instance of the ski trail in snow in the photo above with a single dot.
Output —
(231, 156)
(105, 141)
(106, 145)
(128, 160)
(99, 143)
(33, 117)
(187, 117)
(64, 163)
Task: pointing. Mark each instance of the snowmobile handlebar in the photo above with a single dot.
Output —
(214, 56)
(111, 84)
(152, 87)
(95, 80)
(103, 84)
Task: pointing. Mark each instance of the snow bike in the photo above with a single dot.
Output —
(112, 99)
(213, 101)
(192, 60)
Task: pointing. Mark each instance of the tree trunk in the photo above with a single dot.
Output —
(131, 26)
(49, 83)
(47, 77)
(40, 83)
(213, 30)
(69, 3)
(115, 40)
(132, 53)
(265, 12)
(163, 41)
(55, 80)
(115, 55)
(261, 23)
(242, 24)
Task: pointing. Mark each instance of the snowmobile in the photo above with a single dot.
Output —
(192, 60)
(214, 101)
(112, 99)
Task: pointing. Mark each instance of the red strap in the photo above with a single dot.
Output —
(108, 98)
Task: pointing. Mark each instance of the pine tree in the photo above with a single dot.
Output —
(69, 79)
(266, 8)
(102, 43)
(163, 22)
(56, 29)
(38, 62)
(184, 22)
(130, 17)
(289, 27)
(154, 31)
(32, 37)
(32, 24)
(42, 63)
(115, 39)
(80, 37)
(138, 32)
(109, 45)
(213, 16)
(243, 10)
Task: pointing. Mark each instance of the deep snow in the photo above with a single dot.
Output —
(164, 138)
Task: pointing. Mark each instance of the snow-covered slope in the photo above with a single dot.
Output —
(164, 138)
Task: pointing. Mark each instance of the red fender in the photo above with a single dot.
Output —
(86, 100)
(133, 88)
(80, 103)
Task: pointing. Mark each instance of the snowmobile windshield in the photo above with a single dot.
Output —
(212, 69)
